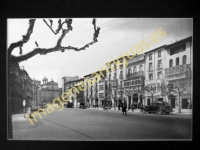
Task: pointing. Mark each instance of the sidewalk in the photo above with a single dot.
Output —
(21, 124)
(183, 111)
(134, 111)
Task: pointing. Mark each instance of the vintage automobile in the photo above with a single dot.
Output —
(82, 106)
(157, 107)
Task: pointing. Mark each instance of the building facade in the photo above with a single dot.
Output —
(27, 86)
(178, 69)
(134, 81)
(154, 70)
(115, 80)
(35, 89)
(48, 91)
(16, 87)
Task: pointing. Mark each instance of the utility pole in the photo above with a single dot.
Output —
(142, 43)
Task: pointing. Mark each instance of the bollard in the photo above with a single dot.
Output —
(29, 111)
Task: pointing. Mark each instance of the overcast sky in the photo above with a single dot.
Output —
(117, 35)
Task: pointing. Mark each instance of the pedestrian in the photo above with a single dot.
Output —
(97, 106)
(141, 106)
(118, 106)
(138, 106)
(124, 107)
(132, 106)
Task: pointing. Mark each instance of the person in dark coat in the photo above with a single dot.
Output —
(124, 107)
(132, 106)
(118, 106)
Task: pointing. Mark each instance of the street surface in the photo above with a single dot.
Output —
(96, 124)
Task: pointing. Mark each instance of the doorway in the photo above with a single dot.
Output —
(135, 100)
(184, 103)
(173, 102)
(148, 101)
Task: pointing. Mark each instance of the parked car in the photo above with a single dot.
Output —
(82, 106)
(70, 105)
(157, 107)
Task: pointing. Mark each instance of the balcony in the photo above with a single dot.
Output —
(114, 77)
(135, 74)
(160, 66)
(121, 76)
(151, 82)
(136, 59)
(150, 68)
(175, 73)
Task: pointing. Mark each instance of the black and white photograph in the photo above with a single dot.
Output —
(99, 79)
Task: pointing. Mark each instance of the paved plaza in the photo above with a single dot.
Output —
(98, 124)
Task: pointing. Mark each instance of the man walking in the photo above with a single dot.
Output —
(124, 107)
(132, 106)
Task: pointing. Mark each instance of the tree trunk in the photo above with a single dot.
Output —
(9, 106)
(179, 107)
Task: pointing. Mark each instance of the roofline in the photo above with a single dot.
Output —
(155, 49)
(180, 41)
(122, 58)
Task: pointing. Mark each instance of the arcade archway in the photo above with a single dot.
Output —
(135, 100)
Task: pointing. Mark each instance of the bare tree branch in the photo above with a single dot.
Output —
(58, 47)
(25, 37)
(59, 26)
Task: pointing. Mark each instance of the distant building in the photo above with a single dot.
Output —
(48, 91)
(36, 86)
(67, 79)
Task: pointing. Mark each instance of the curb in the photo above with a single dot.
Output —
(138, 111)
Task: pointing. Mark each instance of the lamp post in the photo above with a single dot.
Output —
(24, 104)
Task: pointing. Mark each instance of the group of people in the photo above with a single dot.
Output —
(124, 106)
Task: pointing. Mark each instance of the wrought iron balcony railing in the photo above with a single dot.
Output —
(135, 74)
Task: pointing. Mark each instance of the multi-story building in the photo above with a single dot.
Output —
(134, 81)
(48, 91)
(35, 84)
(91, 93)
(102, 85)
(115, 79)
(178, 68)
(154, 70)
(67, 83)
(27, 86)
(16, 88)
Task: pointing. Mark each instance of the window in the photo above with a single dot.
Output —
(177, 61)
(159, 75)
(151, 76)
(133, 82)
(135, 69)
(150, 66)
(150, 56)
(138, 81)
(159, 53)
(140, 69)
(184, 59)
(159, 63)
(171, 63)
(129, 71)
